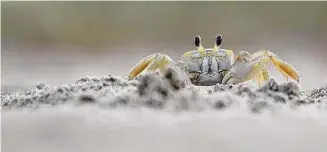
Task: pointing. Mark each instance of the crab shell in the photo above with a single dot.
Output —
(208, 67)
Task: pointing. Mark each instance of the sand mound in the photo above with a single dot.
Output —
(164, 91)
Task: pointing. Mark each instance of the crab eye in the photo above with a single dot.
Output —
(197, 41)
(219, 40)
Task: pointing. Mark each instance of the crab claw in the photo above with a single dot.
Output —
(243, 71)
(151, 63)
(266, 57)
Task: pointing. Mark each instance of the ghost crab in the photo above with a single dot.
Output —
(209, 66)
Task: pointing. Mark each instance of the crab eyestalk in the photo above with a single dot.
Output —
(219, 41)
(198, 43)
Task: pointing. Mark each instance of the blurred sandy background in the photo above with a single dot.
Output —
(58, 42)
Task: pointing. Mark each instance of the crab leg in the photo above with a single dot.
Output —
(262, 75)
(150, 63)
(284, 68)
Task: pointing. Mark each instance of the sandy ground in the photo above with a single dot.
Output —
(71, 129)
(121, 118)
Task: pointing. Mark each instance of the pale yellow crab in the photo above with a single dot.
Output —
(206, 67)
